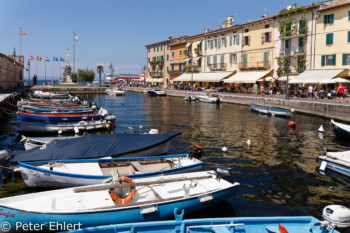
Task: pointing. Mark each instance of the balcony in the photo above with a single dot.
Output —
(198, 51)
(217, 67)
(176, 71)
(153, 63)
(262, 65)
(160, 62)
(156, 74)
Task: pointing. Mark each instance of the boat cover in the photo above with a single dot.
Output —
(92, 146)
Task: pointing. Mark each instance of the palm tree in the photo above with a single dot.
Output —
(99, 70)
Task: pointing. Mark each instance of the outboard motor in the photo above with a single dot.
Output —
(196, 151)
(111, 118)
(93, 106)
(4, 156)
(335, 216)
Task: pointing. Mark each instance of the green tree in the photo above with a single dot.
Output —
(74, 77)
(86, 75)
(99, 70)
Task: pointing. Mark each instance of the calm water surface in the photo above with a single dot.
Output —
(278, 173)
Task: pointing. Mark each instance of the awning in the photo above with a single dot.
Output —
(319, 76)
(284, 79)
(249, 76)
(204, 76)
(188, 45)
(155, 80)
(177, 62)
(268, 79)
(187, 59)
(196, 58)
(335, 80)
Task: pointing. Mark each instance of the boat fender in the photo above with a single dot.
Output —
(127, 199)
(323, 166)
(291, 124)
(76, 130)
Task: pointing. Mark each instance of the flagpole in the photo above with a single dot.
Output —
(60, 67)
(20, 40)
(37, 67)
(52, 71)
(45, 69)
(74, 51)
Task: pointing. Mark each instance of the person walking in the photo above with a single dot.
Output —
(310, 91)
(262, 90)
(340, 92)
(270, 89)
(256, 89)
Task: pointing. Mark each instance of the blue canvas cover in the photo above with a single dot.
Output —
(93, 146)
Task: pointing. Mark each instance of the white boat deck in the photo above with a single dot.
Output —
(76, 168)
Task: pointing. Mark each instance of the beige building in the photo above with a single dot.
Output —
(8, 79)
(333, 36)
(157, 61)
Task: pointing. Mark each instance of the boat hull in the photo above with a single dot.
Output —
(54, 128)
(301, 224)
(340, 129)
(24, 116)
(336, 165)
(120, 215)
(271, 111)
(38, 177)
(211, 100)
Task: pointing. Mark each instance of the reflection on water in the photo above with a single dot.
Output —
(278, 172)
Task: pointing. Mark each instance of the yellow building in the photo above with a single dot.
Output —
(195, 52)
(333, 36)
(177, 57)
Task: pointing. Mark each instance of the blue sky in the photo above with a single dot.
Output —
(113, 30)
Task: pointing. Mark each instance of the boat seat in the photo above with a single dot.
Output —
(138, 166)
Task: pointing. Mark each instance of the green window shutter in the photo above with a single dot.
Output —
(237, 39)
(262, 38)
(323, 60)
(331, 18)
(215, 59)
(222, 58)
(266, 56)
(345, 56)
(167, 57)
(230, 58)
(348, 15)
(154, 48)
(231, 40)
(206, 44)
(349, 35)
(208, 60)
(329, 39)
(219, 42)
(248, 40)
(325, 19)
(334, 59)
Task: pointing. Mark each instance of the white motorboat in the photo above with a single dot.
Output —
(209, 99)
(120, 201)
(156, 92)
(33, 142)
(80, 172)
(336, 161)
(115, 92)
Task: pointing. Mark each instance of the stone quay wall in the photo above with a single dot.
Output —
(8, 80)
(323, 108)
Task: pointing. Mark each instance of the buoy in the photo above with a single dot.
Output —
(291, 124)
(108, 125)
(76, 130)
(224, 149)
(59, 131)
(248, 142)
(140, 126)
(321, 129)
(153, 131)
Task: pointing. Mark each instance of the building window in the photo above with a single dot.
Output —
(154, 48)
(172, 54)
(199, 63)
(149, 50)
(349, 35)
(328, 19)
(346, 59)
(267, 26)
(161, 58)
(223, 41)
(167, 46)
(328, 60)
(348, 15)
(208, 60)
(211, 44)
(167, 57)
(236, 39)
(161, 47)
(172, 67)
(233, 58)
(329, 39)
(149, 59)
(180, 53)
(302, 26)
(265, 37)
(246, 30)
(180, 66)
(301, 45)
(288, 29)
(246, 40)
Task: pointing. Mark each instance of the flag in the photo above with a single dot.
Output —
(76, 37)
(31, 58)
(39, 58)
(23, 33)
(61, 59)
(55, 59)
(47, 59)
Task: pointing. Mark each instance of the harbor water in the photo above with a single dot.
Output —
(278, 172)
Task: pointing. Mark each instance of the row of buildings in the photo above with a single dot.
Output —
(297, 39)
(11, 73)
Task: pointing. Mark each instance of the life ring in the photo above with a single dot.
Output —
(127, 199)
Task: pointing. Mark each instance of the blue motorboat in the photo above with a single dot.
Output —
(271, 111)
(55, 109)
(146, 199)
(304, 224)
(341, 130)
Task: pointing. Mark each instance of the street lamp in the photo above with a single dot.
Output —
(28, 73)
